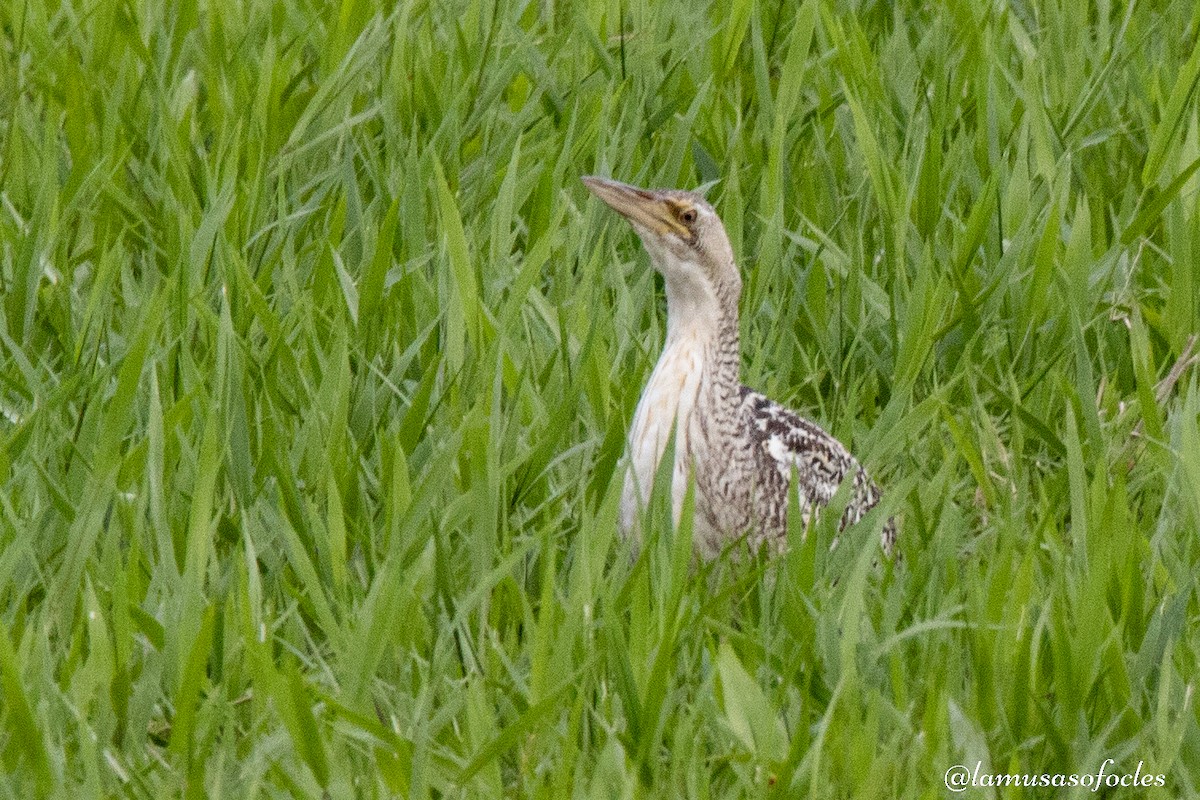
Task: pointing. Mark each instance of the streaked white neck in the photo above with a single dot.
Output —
(670, 399)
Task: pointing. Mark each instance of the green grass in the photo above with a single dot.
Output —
(316, 360)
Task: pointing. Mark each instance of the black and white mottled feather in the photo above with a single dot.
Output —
(740, 448)
(783, 442)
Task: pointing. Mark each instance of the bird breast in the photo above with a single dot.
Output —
(668, 405)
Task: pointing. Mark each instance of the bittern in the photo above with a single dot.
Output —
(740, 448)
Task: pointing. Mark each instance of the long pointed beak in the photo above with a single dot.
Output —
(645, 207)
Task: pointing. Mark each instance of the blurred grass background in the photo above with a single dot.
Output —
(316, 361)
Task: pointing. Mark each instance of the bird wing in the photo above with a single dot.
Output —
(785, 441)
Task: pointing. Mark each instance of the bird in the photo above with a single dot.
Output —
(741, 449)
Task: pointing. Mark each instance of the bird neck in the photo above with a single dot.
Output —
(705, 321)
(693, 389)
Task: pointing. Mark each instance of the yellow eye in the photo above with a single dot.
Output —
(687, 216)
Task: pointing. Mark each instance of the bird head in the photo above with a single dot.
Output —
(685, 238)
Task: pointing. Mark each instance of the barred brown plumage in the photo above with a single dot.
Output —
(739, 447)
